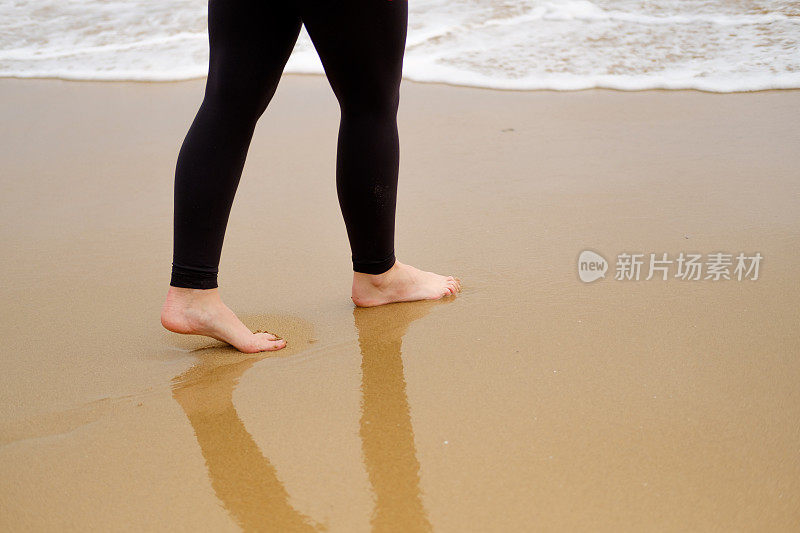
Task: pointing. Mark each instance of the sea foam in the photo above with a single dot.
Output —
(711, 45)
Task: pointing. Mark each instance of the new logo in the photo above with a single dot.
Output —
(591, 266)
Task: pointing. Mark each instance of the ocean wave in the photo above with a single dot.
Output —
(711, 45)
(587, 11)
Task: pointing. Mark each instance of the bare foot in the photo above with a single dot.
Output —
(201, 312)
(401, 283)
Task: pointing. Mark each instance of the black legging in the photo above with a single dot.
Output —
(361, 45)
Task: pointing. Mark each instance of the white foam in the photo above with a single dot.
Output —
(587, 11)
(712, 45)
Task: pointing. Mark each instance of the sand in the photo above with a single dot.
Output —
(532, 401)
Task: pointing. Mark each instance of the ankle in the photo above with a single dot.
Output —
(376, 280)
(187, 296)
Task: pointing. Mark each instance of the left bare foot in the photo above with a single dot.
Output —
(201, 312)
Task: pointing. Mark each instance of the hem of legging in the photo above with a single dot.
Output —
(374, 267)
(190, 278)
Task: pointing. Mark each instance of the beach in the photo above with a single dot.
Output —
(531, 401)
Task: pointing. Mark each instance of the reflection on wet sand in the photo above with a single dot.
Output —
(243, 479)
(387, 437)
(247, 483)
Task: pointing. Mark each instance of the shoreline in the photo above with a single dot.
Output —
(405, 80)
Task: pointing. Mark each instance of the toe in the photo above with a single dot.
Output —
(267, 342)
(276, 345)
(271, 346)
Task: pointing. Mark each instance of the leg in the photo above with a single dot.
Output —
(361, 45)
(250, 42)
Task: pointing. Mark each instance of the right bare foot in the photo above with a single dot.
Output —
(401, 283)
(201, 312)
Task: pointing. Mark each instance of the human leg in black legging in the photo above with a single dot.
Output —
(361, 45)
(250, 42)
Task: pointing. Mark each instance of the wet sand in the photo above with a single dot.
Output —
(532, 401)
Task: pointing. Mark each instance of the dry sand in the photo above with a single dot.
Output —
(532, 401)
